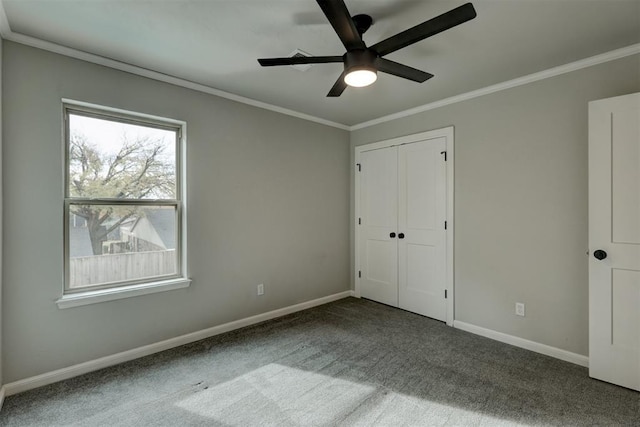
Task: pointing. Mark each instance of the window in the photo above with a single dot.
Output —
(123, 208)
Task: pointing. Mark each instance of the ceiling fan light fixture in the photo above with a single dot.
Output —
(359, 68)
(361, 77)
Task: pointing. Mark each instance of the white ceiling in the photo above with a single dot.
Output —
(216, 43)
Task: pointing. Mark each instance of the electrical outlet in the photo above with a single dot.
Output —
(261, 289)
(520, 309)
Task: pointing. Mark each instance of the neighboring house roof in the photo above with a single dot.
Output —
(157, 226)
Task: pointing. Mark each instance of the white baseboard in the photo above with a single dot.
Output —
(2, 391)
(125, 356)
(547, 350)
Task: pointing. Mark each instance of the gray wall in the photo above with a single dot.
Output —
(1, 199)
(521, 200)
(268, 202)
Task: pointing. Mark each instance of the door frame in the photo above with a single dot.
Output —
(448, 134)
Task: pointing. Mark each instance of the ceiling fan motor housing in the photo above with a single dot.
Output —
(360, 60)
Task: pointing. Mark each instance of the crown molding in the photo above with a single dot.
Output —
(7, 34)
(551, 72)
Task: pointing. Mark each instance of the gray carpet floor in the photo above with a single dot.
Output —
(351, 362)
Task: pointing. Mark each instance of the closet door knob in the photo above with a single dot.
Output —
(600, 254)
(401, 236)
(392, 235)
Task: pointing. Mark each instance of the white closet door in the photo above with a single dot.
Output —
(421, 220)
(614, 240)
(379, 216)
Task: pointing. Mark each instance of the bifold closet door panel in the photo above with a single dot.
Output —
(379, 217)
(421, 220)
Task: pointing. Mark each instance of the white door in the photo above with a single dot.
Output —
(421, 228)
(402, 243)
(378, 225)
(614, 240)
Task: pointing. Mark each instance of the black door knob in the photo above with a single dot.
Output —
(392, 235)
(401, 236)
(600, 254)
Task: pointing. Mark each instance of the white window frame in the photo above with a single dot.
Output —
(124, 289)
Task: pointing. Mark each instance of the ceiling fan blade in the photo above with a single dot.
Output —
(400, 70)
(338, 87)
(338, 15)
(447, 20)
(270, 62)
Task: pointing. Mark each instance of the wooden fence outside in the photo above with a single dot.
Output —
(108, 268)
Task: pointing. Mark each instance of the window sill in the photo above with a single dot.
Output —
(103, 295)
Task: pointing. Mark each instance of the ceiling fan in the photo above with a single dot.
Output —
(361, 63)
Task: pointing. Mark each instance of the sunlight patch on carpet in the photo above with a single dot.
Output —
(280, 395)
(285, 395)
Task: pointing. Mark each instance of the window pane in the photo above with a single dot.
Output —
(110, 159)
(120, 243)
